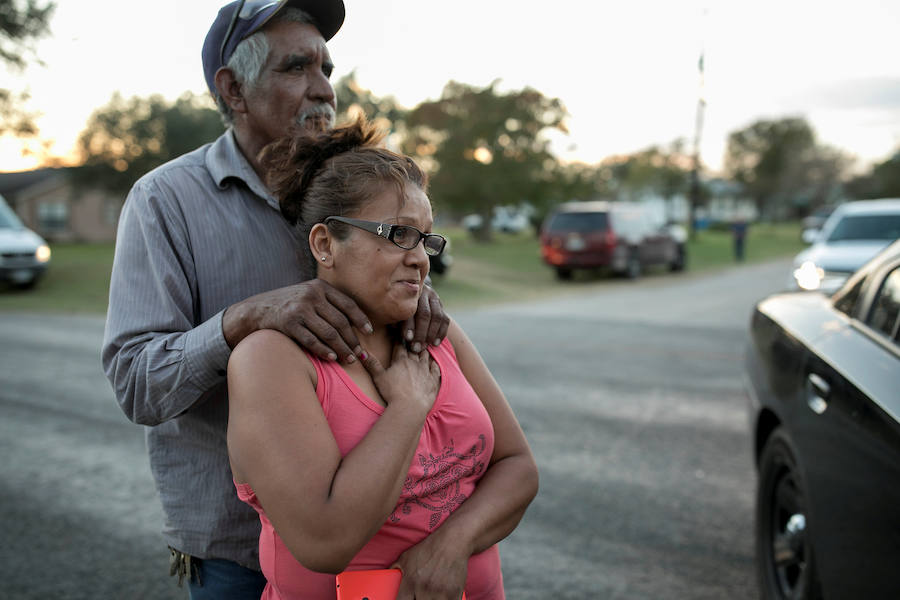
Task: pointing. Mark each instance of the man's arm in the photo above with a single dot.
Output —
(159, 359)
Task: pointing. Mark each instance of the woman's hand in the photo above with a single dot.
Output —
(412, 377)
(432, 571)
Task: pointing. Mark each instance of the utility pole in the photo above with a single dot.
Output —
(698, 131)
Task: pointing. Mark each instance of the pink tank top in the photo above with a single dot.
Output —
(453, 453)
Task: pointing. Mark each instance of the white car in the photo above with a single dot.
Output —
(854, 233)
(508, 219)
(24, 255)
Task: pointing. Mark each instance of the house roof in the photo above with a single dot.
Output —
(12, 183)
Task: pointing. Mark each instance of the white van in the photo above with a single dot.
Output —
(24, 255)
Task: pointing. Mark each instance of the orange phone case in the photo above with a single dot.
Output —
(377, 584)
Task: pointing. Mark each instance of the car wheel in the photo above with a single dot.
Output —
(563, 273)
(26, 285)
(680, 260)
(784, 551)
(437, 265)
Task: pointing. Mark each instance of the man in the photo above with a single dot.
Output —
(203, 258)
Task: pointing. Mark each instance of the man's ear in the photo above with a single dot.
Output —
(230, 89)
(320, 244)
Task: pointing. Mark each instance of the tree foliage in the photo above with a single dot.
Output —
(662, 172)
(126, 138)
(353, 98)
(21, 24)
(883, 181)
(485, 148)
(782, 167)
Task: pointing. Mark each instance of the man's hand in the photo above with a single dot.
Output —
(429, 324)
(315, 314)
(432, 571)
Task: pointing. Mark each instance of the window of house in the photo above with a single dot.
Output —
(53, 216)
(111, 209)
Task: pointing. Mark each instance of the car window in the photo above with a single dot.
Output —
(886, 308)
(627, 223)
(847, 301)
(579, 221)
(8, 219)
(866, 227)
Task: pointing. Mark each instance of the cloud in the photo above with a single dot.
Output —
(882, 93)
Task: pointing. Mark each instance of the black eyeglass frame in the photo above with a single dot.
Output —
(388, 232)
(237, 14)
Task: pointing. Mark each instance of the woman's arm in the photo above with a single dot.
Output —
(438, 564)
(325, 508)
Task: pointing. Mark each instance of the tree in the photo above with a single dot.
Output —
(770, 158)
(126, 138)
(352, 98)
(883, 181)
(20, 26)
(485, 148)
(659, 171)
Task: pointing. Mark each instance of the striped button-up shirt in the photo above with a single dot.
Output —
(195, 236)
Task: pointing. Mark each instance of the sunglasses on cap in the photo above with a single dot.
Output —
(246, 10)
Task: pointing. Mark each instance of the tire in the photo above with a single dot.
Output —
(680, 260)
(784, 555)
(437, 265)
(26, 285)
(563, 273)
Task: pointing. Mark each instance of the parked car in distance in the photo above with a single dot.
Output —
(24, 255)
(812, 223)
(440, 264)
(506, 219)
(621, 236)
(823, 384)
(854, 233)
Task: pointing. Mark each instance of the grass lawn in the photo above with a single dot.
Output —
(509, 268)
(77, 281)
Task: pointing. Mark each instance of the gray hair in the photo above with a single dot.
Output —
(250, 57)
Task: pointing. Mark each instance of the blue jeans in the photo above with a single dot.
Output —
(225, 580)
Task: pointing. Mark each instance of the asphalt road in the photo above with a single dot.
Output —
(630, 394)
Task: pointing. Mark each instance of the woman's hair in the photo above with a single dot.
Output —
(334, 173)
(250, 55)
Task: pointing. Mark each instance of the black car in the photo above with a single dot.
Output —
(823, 380)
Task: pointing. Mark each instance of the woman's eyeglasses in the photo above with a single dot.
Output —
(405, 236)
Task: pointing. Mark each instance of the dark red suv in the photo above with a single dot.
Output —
(620, 236)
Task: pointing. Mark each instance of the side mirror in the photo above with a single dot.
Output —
(809, 236)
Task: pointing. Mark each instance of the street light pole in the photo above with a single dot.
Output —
(698, 131)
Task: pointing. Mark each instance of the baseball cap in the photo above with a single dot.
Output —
(242, 18)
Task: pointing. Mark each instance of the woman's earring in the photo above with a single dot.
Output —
(324, 257)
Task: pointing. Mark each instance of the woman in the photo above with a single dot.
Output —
(403, 459)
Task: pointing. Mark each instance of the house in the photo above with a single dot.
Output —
(50, 204)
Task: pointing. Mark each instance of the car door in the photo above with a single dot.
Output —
(849, 439)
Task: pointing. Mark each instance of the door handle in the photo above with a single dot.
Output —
(820, 389)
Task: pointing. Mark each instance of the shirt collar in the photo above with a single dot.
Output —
(226, 161)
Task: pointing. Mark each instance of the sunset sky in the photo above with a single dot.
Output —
(625, 70)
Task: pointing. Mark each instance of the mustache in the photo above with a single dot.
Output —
(319, 111)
